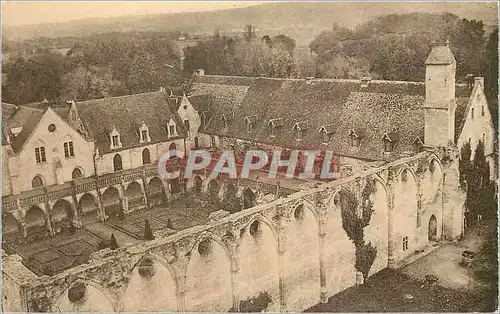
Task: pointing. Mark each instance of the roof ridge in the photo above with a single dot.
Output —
(31, 108)
(122, 96)
(315, 79)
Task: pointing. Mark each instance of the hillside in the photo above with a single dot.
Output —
(302, 21)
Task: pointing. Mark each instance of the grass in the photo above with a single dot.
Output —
(384, 291)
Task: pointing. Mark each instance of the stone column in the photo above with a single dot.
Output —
(48, 212)
(101, 213)
(180, 267)
(77, 211)
(390, 226)
(145, 190)
(282, 222)
(77, 221)
(235, 268)
(322, 268)
(453, 201)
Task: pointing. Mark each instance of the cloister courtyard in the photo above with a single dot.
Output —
(70, 247)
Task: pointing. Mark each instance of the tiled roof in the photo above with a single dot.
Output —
(460, 115)
(125, 113)
(395, 108)
(440, 55)
(20, 116)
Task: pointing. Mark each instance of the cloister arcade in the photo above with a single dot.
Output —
(118, 200)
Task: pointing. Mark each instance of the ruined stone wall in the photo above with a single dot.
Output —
(294, 248)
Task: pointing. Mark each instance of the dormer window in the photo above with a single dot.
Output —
(388, 146)
(250, 122)
(326, 133)
(418, 145)
(115, 139)
(225, 121)
(144, 133)
(389, 141)
(300, 129)
(172, 129)
(355, 138)
(203, 117)
(15, 131)
(274, 124)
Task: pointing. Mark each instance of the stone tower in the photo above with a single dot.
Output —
(440, 97)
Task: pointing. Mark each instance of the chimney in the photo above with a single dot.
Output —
(365, 81)
(479, 81)
(470, 80)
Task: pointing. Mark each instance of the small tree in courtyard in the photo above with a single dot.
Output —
(112, 243)
(169, 224)
(148, 233)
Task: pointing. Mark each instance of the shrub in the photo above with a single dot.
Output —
(77, 292)
(148, 233)
(255, 304)
(112, 243)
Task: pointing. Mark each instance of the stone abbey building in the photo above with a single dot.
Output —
(82, 163)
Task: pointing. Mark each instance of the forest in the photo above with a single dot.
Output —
(389, 47)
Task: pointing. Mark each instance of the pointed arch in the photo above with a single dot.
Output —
(98, 298)
(153, 287)
(210, 259)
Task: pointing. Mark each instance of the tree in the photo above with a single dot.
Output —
(148, 233)
(284, 42)
(490, 71)
(480, 190)
(112, 243)
(169, 224)
(354, 224)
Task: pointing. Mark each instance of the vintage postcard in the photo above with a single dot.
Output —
(249, 156)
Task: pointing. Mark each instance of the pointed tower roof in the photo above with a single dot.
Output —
(441, 55)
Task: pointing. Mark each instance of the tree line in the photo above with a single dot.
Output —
(98, 66)
(245, 55)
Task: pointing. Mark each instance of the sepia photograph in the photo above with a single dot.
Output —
(239, 156)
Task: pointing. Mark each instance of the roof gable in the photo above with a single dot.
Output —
(31, 127)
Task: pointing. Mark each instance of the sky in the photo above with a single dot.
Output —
(31, 12)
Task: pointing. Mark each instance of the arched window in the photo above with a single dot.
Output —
(37, 181)
(117, 162)
(146, 157)
(172, 147)
(77, 174)
(472, 113)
